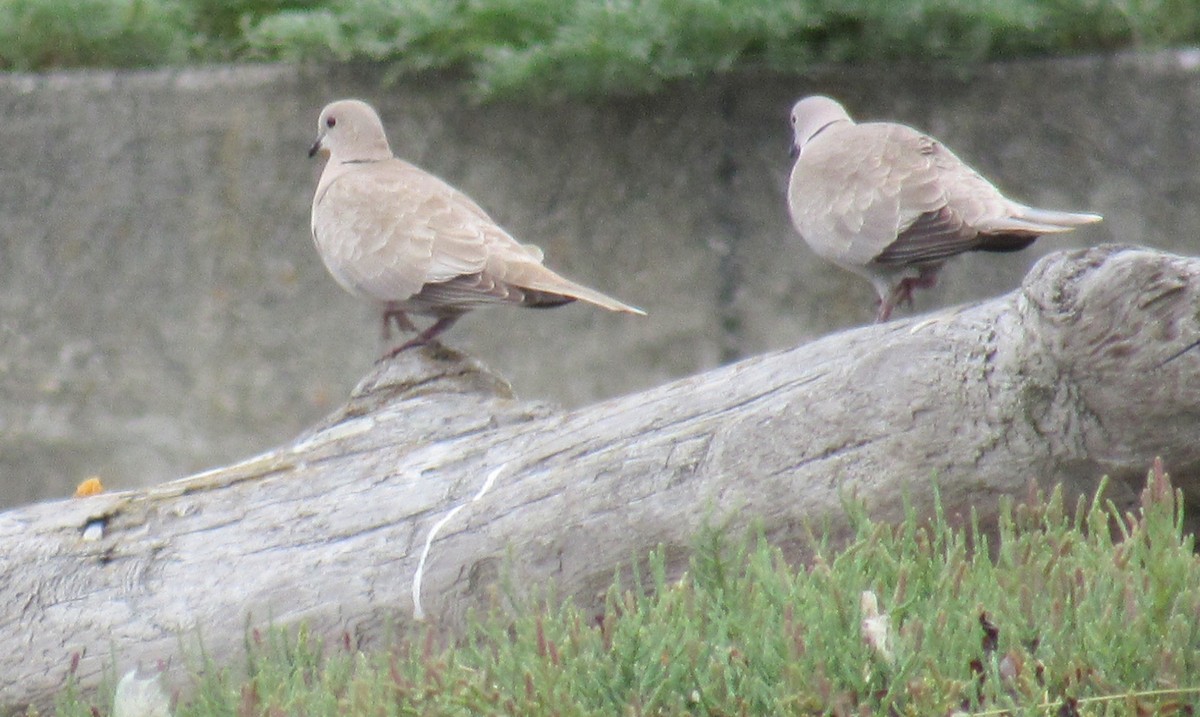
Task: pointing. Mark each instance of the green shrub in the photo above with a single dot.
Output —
(579, 47)
(39, 34)
(1077, 608)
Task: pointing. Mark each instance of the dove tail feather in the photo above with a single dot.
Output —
(543, 285)
(591, 296)
(1032, 222)
(1059, 221)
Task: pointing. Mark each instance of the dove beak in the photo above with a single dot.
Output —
(312, 151)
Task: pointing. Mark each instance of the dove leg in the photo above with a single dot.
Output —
(903, 291)
(393, 314)
(927, 279)
(425, 336)
(885, 308)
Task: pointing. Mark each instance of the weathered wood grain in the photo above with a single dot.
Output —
(411, 499)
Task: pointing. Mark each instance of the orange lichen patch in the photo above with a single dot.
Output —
(91, 486)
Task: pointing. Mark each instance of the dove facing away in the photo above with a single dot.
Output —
(400, 237)
(892, 204)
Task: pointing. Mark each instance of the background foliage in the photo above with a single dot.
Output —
(581, 47)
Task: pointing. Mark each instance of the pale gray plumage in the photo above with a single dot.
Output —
(892, 204)
(396, 235)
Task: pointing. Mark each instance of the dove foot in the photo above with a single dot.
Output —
(903, 292)
(422, 339)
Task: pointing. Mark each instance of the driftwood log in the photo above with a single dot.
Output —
(413, 499)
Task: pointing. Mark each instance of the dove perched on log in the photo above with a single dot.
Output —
(400, 237)
(892, 204)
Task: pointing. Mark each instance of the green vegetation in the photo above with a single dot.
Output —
(1062, 619)
(577, 46)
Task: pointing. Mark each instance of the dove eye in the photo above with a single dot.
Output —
(330, 121)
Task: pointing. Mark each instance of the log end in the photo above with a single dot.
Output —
(1122, 329)
(428, 370)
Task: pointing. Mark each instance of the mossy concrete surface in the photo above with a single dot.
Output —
(162, 309)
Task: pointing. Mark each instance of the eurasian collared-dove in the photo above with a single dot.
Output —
(404, 239)
(892, 204)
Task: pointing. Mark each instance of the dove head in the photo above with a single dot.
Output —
(813, 114)
(350, 130)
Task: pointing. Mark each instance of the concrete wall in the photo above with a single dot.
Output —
(162, 309)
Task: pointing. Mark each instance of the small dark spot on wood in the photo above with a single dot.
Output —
(1121, 349)
(483, 572)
